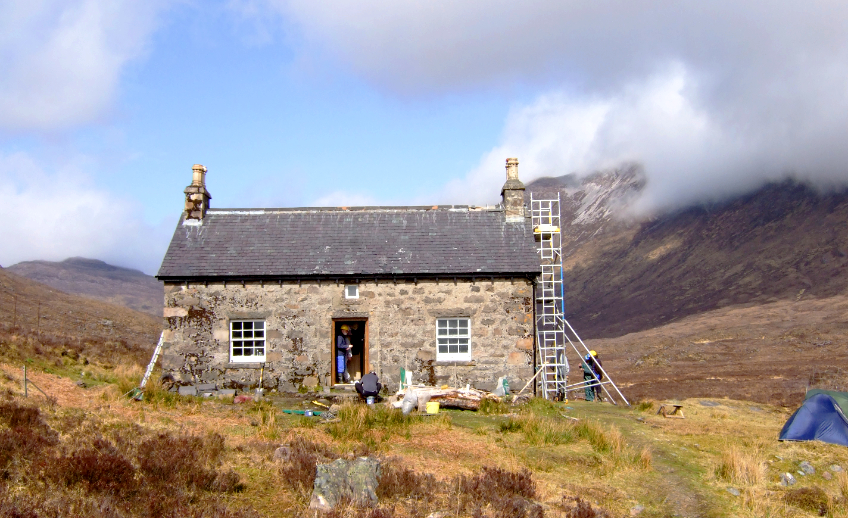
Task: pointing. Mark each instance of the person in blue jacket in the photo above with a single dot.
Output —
(592, 375)
(343, 353)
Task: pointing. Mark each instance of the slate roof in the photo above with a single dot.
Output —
(385, 241)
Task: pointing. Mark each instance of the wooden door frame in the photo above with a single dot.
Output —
(365, 345)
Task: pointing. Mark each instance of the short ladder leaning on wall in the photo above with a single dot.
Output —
(553, 332)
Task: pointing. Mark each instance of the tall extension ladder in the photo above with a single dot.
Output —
(553, 332)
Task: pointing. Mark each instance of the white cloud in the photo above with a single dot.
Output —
(688, 151)
(711, 97)
(62, 59)
(53, 216)
(424, 45)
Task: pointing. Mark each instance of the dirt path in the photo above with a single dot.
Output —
(678, 477)
(682, 498)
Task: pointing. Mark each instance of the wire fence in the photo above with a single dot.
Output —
(56, 321)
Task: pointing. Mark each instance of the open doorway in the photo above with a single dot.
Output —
(357, 364)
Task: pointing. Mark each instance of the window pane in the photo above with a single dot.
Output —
(443, 332)
(452, 323)
(453, 348)
(443, 348)
(247, 340)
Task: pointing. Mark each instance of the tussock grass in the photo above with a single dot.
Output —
(607, 441)
(645, 406)
(740, 467)
(602, 440)
(540, 407)
(842, 485)
(646, 458)
(372, 425)
(538, 431)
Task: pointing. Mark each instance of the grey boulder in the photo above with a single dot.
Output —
(345, 479)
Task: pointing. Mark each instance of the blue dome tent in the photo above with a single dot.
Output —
(820, 418)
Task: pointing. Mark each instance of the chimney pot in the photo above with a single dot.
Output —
(512, 169)
(198, 175)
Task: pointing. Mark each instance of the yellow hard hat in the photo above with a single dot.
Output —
(593, 353)
(345, 327)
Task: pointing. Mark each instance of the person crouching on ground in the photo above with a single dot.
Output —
(369, 385)
(343, 347)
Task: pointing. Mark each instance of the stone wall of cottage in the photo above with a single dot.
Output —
(299, 326)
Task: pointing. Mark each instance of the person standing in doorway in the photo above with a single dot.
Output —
(343, 353)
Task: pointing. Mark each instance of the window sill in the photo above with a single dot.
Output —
(245, 365)
(458, 363)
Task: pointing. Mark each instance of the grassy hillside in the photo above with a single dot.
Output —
(92, 451)
(96, 279)
(768, 353)
(44, 321)
(87, 450)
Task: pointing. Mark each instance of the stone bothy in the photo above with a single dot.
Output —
(260, 295)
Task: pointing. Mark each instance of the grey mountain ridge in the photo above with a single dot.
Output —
(96, 279)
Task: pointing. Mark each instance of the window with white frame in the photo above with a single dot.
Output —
(247, 341)
(352, 291)
(453, 339)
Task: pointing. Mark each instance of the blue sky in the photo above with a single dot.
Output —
(105, 105)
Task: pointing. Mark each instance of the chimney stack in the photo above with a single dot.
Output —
(513, 193)
(197, 197)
